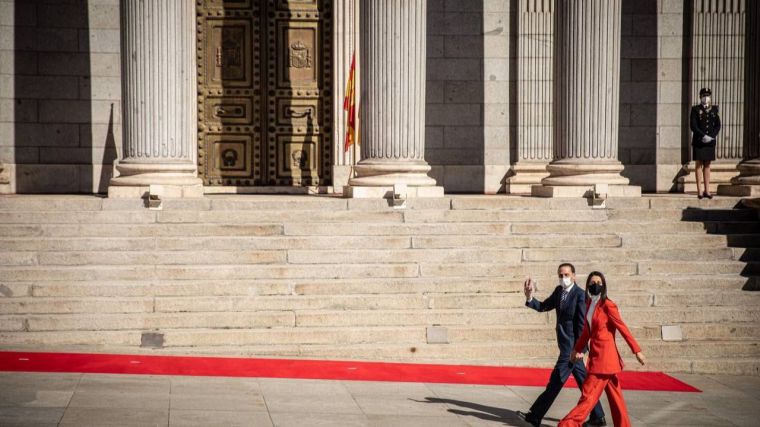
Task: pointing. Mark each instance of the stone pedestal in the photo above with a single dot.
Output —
(392, 110)
(159, 98)
(586, 104)
(524, 175)
(747, 183)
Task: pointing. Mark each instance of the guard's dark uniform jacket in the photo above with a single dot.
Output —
(704, 122)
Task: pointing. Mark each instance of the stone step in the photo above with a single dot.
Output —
(356, 302)
(511, 351)
(334, 202)
(646, 202)
(396, 286)
(666, 240)
(695, 215)
(528, 333)
(721, 331)
(50, 203)
(585, 228)
(678, 241)
(737, 227)
(501, 202)
(249, 217)
(78, 217)
(147, 321)
(586, 215)
(368, 344)
(744, 240)
(93, 306)
(418, 229)
(210, 272)
(239, 257)
(448, 256)
(521, 241)
(49, 231)
(413, 302)
(696, 267)
(632, 315)
(283, 321)
(337, 239)
(615, 254)
(190, 216)
(82, 229)
(525, 269)
(600, 243)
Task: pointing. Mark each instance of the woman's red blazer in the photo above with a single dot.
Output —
(603, 356)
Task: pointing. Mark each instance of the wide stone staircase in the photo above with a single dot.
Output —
(330, 278)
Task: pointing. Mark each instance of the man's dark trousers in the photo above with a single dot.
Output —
(571, 316)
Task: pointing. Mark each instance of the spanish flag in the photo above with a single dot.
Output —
(349, 105)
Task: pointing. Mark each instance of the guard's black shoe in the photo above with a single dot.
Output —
(529, 418)
(595, 422)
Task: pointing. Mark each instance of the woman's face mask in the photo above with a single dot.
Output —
(595, 287)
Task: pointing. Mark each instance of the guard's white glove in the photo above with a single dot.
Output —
(707, 139)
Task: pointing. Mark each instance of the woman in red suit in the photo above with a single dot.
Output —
(604, 362)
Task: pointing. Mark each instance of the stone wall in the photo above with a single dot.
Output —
(468, 93)
(59, 94)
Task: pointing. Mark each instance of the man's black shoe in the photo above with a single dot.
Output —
(529, 418)
(596, 423)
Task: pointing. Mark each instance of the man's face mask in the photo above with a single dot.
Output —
(706, 100)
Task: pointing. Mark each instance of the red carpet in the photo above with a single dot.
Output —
(310, 369)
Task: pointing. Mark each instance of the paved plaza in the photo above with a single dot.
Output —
(34, 399)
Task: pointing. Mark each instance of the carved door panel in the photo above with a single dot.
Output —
(264, 96)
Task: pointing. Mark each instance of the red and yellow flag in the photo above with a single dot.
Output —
(349, 105)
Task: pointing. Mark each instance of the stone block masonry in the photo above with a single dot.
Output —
(60, 91)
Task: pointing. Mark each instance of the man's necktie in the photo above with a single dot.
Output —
(563, 298)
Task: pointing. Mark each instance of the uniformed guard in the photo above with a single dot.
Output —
(705, 124)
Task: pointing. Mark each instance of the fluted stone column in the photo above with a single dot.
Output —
(158, 98)
(534, 95)
(392, 111)
(717, 61)
(747, 183)
(586, 101)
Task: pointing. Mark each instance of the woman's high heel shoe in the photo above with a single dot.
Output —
(706, 194)
(699, 196)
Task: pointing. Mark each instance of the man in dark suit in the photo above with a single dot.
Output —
(570, 302)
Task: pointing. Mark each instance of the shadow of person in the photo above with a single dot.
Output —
(483, 412)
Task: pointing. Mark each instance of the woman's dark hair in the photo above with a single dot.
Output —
(603, 294)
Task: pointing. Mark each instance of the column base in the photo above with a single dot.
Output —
(583, 191)
(386, 192)
(524, 176)
(174, 180)
(739, 190)
(381, 173)
(720, 174)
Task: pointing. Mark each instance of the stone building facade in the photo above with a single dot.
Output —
(484, 94)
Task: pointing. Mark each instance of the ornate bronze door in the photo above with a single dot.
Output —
(264, 95)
